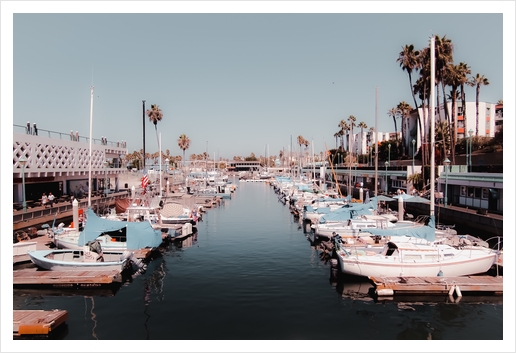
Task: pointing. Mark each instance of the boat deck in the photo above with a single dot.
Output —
(387, 286)
(37, 322)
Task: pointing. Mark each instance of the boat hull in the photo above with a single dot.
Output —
(69, 260)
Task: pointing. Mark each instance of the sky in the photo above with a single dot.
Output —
(235, 77)
(234, 83)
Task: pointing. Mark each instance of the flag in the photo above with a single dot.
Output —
(145, 181)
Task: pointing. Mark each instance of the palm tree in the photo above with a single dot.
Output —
(362, 126)
(404, 110)
(155, 115)
(344, 128)
(409, 61)
(393, 112)
(443, 56)
(184, 143)
(478, 81)
(463, 72)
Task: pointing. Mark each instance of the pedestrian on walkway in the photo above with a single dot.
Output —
(44, 200)
(51, 198)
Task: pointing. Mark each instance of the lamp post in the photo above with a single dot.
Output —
(167, 161)
(446, 164)
(386, 165)
(470, 147)
(389, 146)
(23, 161)
(106, 163)
(413, 153)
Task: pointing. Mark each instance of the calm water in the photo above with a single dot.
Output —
(251, 274)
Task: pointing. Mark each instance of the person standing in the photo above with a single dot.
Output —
(44, 200)
(51, 199)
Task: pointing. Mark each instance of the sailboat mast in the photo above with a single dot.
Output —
(91, 146)
(375, 135)
(432, 126)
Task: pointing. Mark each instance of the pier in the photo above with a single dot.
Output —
(388, 286)
(37, 322)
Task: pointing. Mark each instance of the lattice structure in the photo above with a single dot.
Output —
(51, 157)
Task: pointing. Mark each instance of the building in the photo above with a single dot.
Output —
(48, 161)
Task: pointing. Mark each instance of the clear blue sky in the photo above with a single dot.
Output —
(233, 83)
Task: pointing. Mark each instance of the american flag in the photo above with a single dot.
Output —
(145, 181)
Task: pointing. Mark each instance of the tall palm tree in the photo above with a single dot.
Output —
(463, 73)
(409, 61)
(344, 128)
(352, 123)
(477, 81)
(393, 112)
(404, 110)
(362, 126)
(443, 56)
(155, 115)
(184, 143)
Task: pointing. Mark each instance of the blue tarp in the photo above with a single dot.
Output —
(348, 211)
(139, 234)
(417, 231)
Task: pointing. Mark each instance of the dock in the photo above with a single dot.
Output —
(388, 286)
(37, 322)
(76, 279)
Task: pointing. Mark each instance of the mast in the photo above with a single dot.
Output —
(375, 136)
(432, 126)
(91, 146)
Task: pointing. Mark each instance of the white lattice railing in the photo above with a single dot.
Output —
(52, 156)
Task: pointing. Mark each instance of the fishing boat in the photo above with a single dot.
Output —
(89, 257)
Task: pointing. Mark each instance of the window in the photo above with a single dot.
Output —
(485, 193)
(470, 191)
(463, 191)
(478, 192)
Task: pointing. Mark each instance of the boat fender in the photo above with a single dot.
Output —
(385, 292)
(458, 292)
(452, 289)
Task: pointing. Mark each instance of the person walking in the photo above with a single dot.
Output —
(44, 200)
(51, 199)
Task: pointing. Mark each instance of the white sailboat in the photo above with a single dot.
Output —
(414, 251)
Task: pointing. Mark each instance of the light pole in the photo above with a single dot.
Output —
(413, 153)
(106, 163)
(446, 164)
(470, 147)
(389, 145)
(23, 161)
(386, 165)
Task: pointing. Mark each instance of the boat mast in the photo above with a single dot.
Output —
(91, 146)
(432, 126)
(375, 135)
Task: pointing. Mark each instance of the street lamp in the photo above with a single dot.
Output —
(23, 161)
(386, 165)
(470, 147)
(106, 163)
(446, 164)
(389, 145)
(167, 161)
(413, 153)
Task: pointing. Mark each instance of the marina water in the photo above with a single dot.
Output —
(250, 273)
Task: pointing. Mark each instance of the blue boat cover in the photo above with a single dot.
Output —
(139, 234)
(417, 231)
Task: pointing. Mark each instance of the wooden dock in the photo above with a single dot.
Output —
(37, 322)
(388, 286)
(76, 279)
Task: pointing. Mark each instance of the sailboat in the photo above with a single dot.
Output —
(414, 251)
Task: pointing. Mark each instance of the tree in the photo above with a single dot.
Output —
(155, 115)
(362, 126)
(409, 61)
(183, 143)
(404, 110)
(477, 81)
(393, 112)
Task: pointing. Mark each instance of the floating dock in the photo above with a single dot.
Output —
(37, 322)
(76, 279)
(388, 286)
